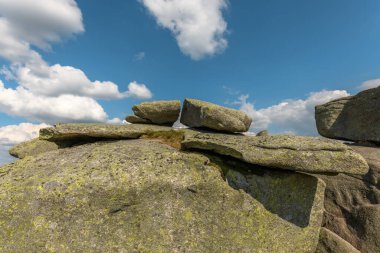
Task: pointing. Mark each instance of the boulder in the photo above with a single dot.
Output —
(355, 118)
(196, 113)
(350, 203)
(330, 242)
(86, 131)
(308, 154)
(159, 112)
(32, 148)
(137, 120)
(263, 133)
(143, 196)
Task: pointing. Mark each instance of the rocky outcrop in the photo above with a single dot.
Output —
(308, 154)
(330, 242)
(355, 118)
(143, 196)
(347, 199)
(85, 132)
(158, 112)
(200, 114)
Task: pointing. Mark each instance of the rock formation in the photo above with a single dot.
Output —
(354, 118)
(156, 112)
(352, 202)
(200, 114)
(151, 188)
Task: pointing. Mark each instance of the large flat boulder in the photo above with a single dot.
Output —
(196, 113)
(86, 131)
(330, 242)
(137, 120)
(143, 196)
(308, 154)
(355, 118)
(159, 112)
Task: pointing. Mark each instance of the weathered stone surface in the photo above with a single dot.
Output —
(32, 148)
(196, 113)
(351, 118)
(309, 154)
(140, 196)
(330, 242)
(98, 131)
(159, 112)
(372, 156)
(137, 120)
(263, 133)
(346, 197)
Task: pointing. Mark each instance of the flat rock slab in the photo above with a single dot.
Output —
(139, 196)
(98, 131)
(32, 148)
(137, 120)
(196, 113)
(355, 118)
(330, 242)
(159, 112)
(308, 154)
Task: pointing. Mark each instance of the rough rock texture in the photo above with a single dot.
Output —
(143, 196)
(196, 113)
(330, 242)
(32, 148)
(137, 120)
(351, 118)
(263, 133)
(159, 112)
(297, 153)
(372, 156)
(347, 200)
(98, 131)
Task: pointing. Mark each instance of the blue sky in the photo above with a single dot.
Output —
(273, 59)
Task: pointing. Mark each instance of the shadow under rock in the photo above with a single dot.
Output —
(288, 194)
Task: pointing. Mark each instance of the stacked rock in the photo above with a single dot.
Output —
(156, 112)
(352, 204)
(195, 114)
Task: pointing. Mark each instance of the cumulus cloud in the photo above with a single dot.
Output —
(197, 25)
(14, 134)
(49, 93)
(369, 84)
(41, 22)
(289, 116)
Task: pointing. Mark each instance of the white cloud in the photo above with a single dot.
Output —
(140, 56)
(197, 25)
(64, 108)
(289, 116)
(14, 134)
(369, 84)
(49, 93)
(41, 22)
(60, 80)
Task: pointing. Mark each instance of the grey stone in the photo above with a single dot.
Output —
(137, 120)
(143, 196)
(330, 242)
(196, 113)
(159, 112)
(308, 154)
(355, 118)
